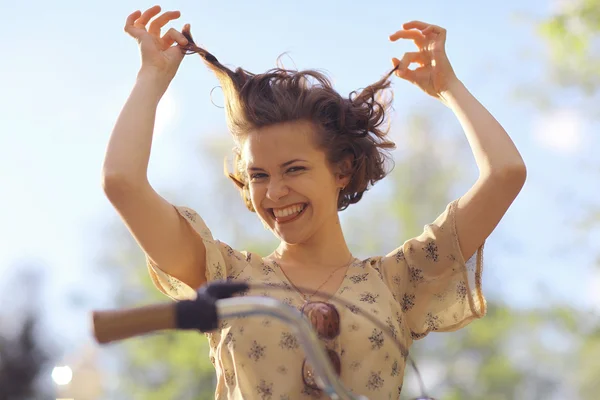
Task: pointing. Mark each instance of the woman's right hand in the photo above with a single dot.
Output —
(159, 56)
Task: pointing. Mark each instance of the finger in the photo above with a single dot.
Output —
(408, 59)
(420, 25)
(434, 29)
(173, 36)
(395, 63)
(158, 23)
(130, 20)
(409, 74)
(147, 15)
(405, 73)
(132, 17)
(428, 30)
(407, 34)
(166, 42)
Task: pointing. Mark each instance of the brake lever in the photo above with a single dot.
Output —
(201, 313)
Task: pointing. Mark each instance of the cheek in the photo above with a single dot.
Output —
(325, 189)
(257, 195)
(254, 196)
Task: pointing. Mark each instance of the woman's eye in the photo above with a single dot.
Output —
(257, 175)
(296, 169)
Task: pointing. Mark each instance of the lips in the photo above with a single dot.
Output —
(288, 214)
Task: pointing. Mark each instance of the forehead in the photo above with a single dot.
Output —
(279, 143)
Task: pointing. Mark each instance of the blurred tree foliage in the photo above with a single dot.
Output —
(573, 36)
(23, 360)
(25, 357)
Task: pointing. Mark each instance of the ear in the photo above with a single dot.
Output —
(344, 172)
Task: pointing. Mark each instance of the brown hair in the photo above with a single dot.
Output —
(348, 128)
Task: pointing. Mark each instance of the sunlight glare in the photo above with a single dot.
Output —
(62, 375)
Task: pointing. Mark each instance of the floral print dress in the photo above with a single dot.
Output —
(423, 286)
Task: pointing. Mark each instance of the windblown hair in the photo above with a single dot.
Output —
(350, 128)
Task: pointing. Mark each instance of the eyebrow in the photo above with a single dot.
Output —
(285, 164)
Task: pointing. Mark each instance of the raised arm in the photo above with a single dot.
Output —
(155, 224)
(502, 172)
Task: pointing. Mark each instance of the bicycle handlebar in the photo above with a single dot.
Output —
(110, 326)
(114, 325)
(205, 312)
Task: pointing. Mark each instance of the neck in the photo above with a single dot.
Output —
(327, 247)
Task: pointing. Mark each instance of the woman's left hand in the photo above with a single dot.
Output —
(434, 74)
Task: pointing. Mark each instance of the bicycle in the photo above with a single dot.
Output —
(215, 302)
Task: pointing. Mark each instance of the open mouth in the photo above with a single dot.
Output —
(288, 214)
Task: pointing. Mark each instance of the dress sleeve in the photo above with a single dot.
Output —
(437, 289)
(222, 262)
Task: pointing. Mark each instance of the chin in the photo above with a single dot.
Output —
(290, 238)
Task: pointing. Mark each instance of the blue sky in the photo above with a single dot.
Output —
(68, 68)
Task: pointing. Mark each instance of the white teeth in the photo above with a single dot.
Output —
(285, 212)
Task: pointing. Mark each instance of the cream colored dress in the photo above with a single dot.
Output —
(422, 286)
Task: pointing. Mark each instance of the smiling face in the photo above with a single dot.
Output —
(293, 188)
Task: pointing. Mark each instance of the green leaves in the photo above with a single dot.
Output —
(170, 366)
(572, 37)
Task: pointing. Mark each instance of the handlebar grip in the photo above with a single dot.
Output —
(114, 325)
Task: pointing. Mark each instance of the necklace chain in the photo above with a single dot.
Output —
(307, 298)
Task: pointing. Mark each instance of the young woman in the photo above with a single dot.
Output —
(304, 153)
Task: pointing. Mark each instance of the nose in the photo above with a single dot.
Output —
(277, 189)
